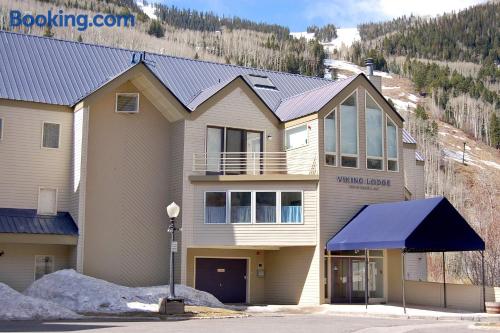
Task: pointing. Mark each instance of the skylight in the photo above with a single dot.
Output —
(261, 81)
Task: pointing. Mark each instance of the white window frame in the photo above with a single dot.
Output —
(295, 126)
(58, 138)
(383, 137)
(278, 207)
(302, 202)
(357, 130)
(205, 207)
(325, 152)
(397, 145)
(43, 255)
(57, 197)
(2, 126)
(252, 205)
(127, 94)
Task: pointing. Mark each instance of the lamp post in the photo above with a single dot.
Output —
(172, 305)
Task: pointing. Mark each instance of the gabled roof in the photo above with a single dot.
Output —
(26, 221)
(52, 71)
(427, 225)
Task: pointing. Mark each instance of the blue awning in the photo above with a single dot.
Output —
(428, 225)
(27, 221)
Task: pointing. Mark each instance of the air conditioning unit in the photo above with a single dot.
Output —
(127, 103)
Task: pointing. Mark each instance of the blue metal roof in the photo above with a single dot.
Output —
(26, 221)
(52, 71)
(407, 138)
(427, 225)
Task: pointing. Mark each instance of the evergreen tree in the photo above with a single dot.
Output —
(48, 32)
(79, 39)
(495, 131)
(156, 29)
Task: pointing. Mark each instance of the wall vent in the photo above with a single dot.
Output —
(127, 102)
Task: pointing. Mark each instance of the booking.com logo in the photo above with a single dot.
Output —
(81, 22)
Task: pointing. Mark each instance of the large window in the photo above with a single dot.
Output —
(215, 207)
(265, 207)
(296, 137)
(331, 138)
(392, 145)
(291, 207)
(241, 207)
(349, 132)
(374, 135)
(50, 135)
(254, 207)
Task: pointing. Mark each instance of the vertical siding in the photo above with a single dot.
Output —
(420, 181)
(127, 189)
(17, 265)
(25, 165)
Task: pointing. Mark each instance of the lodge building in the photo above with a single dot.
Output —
(269, 169)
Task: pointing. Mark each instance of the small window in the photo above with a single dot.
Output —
(127, 102)
(1, 129)
(392, 145)
(50, 135)
(296, 137)
(241, 207)
(215, 207)
(291, 207)
(374, 135)
(330, 127)
(349, 132)
(265, 211)
(47, 201)
(43, 265)
(261, 81)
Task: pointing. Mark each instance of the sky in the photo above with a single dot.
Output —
(298, 14)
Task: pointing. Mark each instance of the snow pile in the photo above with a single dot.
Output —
(85, 294)
(16, 306)
(148, 9)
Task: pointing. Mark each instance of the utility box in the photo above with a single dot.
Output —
(173, 306)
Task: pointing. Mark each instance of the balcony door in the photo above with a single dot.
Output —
(234, 151)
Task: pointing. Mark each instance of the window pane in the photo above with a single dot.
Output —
(392, 165)
(50, 135)
(215, 207)
(241, 207)
(375, 164)
(391, 140)
(350, 162)
(266, 207)
(291, 207)
(214, 148)
(348, 126)
(296, 137)
(331, 159)
(330, 133)
(373, 128)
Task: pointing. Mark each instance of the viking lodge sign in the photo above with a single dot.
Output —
(364, 183)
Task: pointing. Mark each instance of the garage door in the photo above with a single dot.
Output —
(224, 278)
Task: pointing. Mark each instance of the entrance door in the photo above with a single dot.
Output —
(226, 279)
(348, 280)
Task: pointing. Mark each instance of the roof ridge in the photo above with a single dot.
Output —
(317, 88)
(162, 55)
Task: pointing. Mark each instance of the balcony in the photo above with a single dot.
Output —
(256, 164)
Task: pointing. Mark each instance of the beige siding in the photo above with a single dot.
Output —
(307, 154)
(293, 276)
(17, 265)
(254, 234)
(25, 165)
(340, 201)
(127, 190)
(234, 106)
(420, 181)
(410, 169)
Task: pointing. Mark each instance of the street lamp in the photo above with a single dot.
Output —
(172, 305)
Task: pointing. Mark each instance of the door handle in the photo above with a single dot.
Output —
(220, 284)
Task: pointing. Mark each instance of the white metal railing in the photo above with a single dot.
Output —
(253, 163)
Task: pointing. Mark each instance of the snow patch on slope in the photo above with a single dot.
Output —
(307, 35)
(345, 37)
(148, 9)
(16, 306)
(349, 66)
(85, 294)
